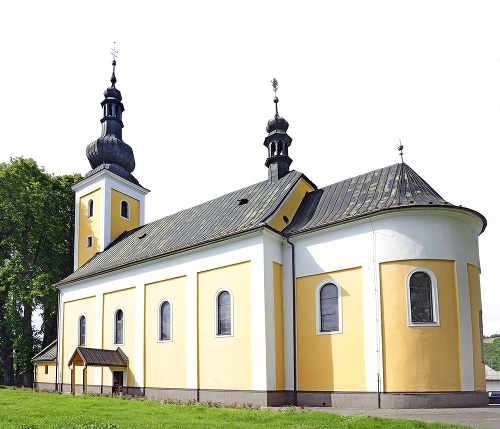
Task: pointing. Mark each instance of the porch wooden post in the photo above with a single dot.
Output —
(73, 381)
(85, 379)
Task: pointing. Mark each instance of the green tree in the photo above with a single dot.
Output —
(36, 246)
(492, 353)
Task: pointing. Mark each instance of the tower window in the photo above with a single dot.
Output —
(82, 331)
(119, 326)
(89, 241)
(124, 209)
(46, 369)
(224, 319)
(90, 208)
(422, 298)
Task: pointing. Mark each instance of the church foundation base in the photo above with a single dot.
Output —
(393, 400)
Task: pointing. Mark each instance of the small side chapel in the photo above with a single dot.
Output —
(363, 293)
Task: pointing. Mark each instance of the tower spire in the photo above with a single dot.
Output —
(277, 142)
(110, 150)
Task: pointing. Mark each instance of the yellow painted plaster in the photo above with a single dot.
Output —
(278, 326)
(224, 362)
(419, 358)
(123, 299)
(475, 311)
(88, 226)
(72, 310)
(41, 376)
(331, 361)
(290, 206)
(165, 361)
(120, 224)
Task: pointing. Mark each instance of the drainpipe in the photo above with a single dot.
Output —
(294, 319)
(58, 343)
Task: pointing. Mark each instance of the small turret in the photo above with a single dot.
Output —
(277, 142)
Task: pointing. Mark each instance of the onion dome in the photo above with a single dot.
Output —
(110, 150)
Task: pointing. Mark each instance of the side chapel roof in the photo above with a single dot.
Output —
(394, 187)
(48, 354)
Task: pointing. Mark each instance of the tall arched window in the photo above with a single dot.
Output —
(165, 321)
(224, 313)
(422, 299)
(90, 208)
(124, 209)
(82, 331)
(329, 308)
(119, 327)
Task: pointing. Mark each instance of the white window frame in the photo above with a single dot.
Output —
(216, 314)
(79, 330)
(158, 312)
(318, 308)
(128, 209)
(114, 327)
(435, 300)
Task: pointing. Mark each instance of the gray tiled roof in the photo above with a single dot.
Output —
(100, 357)
(49, 353)
(389, 188)
(210, 221)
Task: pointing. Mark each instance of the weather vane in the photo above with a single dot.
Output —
(400, 148)
(274, 82)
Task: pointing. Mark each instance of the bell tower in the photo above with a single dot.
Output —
(109, 200)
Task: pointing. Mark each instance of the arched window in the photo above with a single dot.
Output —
(119, 326)
(329, 308)
(165, 321)
(422, 299)
(90, 208)
(224, 313)
(124, 209)
(82, 331)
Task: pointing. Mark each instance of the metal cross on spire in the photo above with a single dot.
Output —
(274, 82)
(400, 148)
(114, 53)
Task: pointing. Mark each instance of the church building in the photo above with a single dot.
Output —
(363, 293)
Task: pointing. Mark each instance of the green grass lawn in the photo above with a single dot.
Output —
(25, 409)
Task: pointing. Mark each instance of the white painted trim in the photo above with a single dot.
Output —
(216, 313)
(318, 307)
(465, 326)
(159, 322)
(434, 297)
(101, 175)
(116, 343)
(191, 329)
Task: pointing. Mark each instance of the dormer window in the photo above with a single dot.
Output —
(124, 209)
(90, 208)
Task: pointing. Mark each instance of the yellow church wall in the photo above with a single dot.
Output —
(435, 348)
(328, 362)
(290, 206)
(123, 299)
(72, 310)
(88, 226)
(278, 326)
(119, 223)
(224, 362)
(476, 314)
(45, 372)
(165, 360)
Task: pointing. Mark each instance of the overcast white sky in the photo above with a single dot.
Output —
(354, 78)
